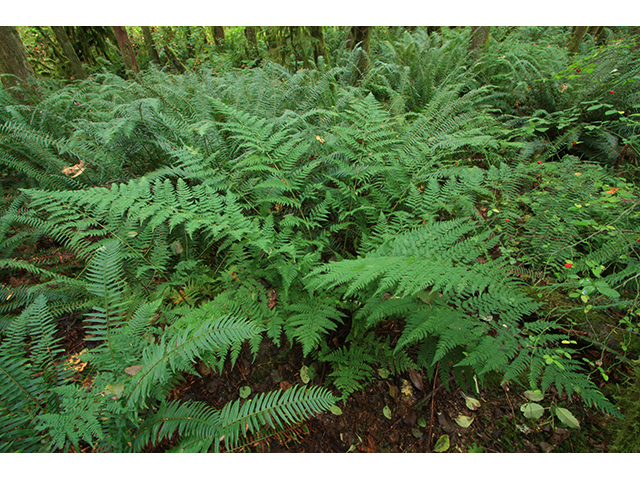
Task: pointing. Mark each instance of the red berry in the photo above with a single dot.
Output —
(539, 162)
(506, 220)
(578, 70)
(456, 163)
(611, 91)
(568, 265)
(574, 143)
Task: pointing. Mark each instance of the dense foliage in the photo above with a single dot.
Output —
(453, 193)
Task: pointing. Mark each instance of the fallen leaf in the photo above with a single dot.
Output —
(442, 445)
(464, 421)
(472, 403)
(406, 388)
(133, 369)
(273, 299)
(546, 448)
(387, 412)
(304, 374)
(393, 391)
(416, 378)
(319, 138)
(612, 191)
(532, 410)
(567, 417)
(336, 410)
(245, 392)
(534, 395)
(445, 422)
(284, 385)
(115, 389)
(74, 170)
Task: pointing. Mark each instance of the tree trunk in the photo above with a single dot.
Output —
(13, 61)
(151, 47)
(126, 50)
(361, 36)
(252, 41)
(70, 53)
(576, 39)
(635, 33)
(218, 36)
(479, 39)
(319, 46)
(174, 60)
(52, 44)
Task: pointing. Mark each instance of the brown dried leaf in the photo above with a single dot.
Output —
(284, 385)
(416, 379)
(133, 369)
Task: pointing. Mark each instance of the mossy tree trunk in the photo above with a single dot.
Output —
(361, 36)
(252, 41)
(218, 36)
(63, 39)
(635, 33)
(13, 61)
(151, 46)
(319, 45)
(576, 39)
(479, 39)
(126, 50)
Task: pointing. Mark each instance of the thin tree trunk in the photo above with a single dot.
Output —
(70, 53)
(174, 60)
(13, 61)
(126, 50)
(319, 47)
(252, 41)
(361, 36)
(151, 47)
(218, 36)
(479, 39)
(53, 44)
(576, 39)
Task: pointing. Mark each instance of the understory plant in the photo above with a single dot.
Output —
(205, 212)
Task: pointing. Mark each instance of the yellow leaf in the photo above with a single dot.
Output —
(74, 170)
(319, 138)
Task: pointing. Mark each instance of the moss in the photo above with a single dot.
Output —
(628, 430)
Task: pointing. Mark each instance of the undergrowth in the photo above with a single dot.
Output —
(205, 211)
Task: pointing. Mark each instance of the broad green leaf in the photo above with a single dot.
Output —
(114, 390)
(472, 403)
(304, 374)
(245, 392)
(336, 410)
(464, 421)
(422, 422)
(609, 292)
(442, 445)
(532, 410)
(534, 395)
(567, 417)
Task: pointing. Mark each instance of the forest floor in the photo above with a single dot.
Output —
(419, 413)
(407, 413)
